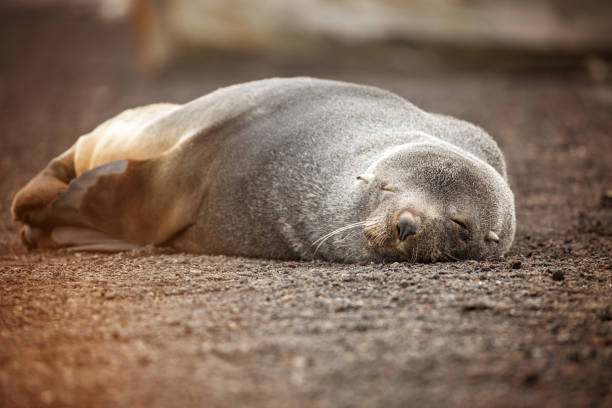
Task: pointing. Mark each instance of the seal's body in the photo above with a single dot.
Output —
(281, 168)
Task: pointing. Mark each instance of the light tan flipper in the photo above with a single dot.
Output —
(143, 202)
(44, 187)
(121, 181)
(137, 202)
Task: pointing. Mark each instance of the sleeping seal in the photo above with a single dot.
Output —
(296, 168)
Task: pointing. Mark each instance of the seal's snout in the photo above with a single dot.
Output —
(407, 224)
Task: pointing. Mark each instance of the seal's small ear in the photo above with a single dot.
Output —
(491, 236)
(366, 177)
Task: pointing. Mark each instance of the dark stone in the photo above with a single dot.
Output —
(558, 276)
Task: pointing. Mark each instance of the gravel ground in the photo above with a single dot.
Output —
(162, 329)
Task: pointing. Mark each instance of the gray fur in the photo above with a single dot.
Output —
(270, 168)
(290, 151)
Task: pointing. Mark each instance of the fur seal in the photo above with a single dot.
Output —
(284, 168)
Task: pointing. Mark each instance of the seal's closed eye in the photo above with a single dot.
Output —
(366, 177)
(386, 187)
(460, 223)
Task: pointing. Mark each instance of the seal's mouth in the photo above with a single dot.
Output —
(408, 238)
(378, 233)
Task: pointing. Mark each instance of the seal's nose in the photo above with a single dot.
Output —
(407, 224)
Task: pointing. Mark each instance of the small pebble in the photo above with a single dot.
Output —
(558, 276)
(531, 379)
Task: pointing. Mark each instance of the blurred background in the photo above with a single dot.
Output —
(166, 28)
(165, 31)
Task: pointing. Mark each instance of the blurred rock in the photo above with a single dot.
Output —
(165, 27)
(606, 198)
(597, 68)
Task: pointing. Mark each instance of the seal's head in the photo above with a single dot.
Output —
(431, 202)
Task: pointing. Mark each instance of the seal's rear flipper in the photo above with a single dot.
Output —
(143, 202)
(44, 188)
(137, 201)
(65, 210)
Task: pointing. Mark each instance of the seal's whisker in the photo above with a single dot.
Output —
(383, 237)
(434, 255)
(378, 236)
(324, 238)
(449, 256)
(376, 232)
(349, 235)
(349, 226)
